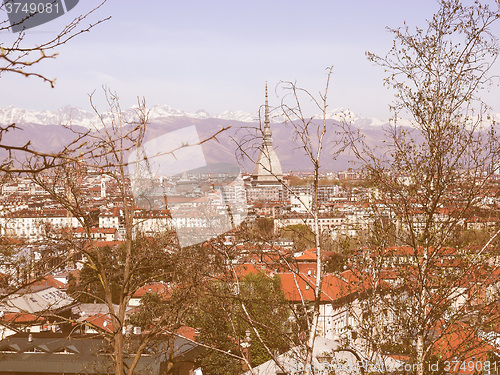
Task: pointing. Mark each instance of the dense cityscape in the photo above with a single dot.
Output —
(301, 239)
(249, 229)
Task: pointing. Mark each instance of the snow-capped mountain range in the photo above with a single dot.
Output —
(44, 132)
(69, 115)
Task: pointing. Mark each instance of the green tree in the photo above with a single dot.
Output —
(225, 317)
(301, 234)
(264, 227)
(150, 263)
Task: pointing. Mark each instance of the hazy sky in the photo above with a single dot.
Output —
(217, 55)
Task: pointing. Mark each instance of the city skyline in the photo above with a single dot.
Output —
(218, 56)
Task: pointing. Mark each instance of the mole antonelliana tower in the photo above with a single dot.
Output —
(267, 170)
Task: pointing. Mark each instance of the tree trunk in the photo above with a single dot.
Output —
(318, 276)
(118, 354)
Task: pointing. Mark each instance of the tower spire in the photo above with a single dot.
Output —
(267, 169)
(266, 119)
(268, 141)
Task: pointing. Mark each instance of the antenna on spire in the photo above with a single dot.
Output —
(267, 126)
(266, 112)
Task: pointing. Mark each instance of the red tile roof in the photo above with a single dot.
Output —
(300, 286)
(244, 269)
(100, 321)
(460, 341)
(49, 280)
(187, 332)
(21, 318)
(158, 288)
(96, 230)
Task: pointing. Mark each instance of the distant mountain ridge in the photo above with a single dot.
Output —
(69, 115)
(44, 132)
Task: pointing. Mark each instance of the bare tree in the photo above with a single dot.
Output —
(19, 57)
(22, 58)
(317, 137)
(114, 273)
(105, 151)
(311, 134)
(434, 176)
